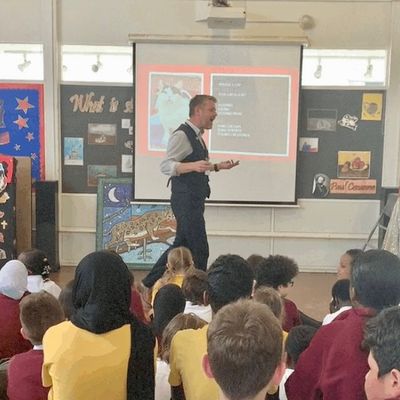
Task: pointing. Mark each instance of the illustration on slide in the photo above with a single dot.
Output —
(170, 95)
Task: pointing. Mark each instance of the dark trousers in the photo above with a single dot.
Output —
(190, 232)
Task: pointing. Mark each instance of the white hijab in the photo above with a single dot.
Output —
(13, 279)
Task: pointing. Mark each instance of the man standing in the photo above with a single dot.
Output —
(187, 164)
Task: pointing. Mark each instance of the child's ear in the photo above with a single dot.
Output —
(394, 379)
(23, 334)
(206, 367)
(206, 300)
(278, 374)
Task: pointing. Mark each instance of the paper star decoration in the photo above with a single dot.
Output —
(23, 104)
(21, 122)
(29, 136)
(17, 147)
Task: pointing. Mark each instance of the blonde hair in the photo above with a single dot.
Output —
(179, 260)
(270, 297)
(179, 323)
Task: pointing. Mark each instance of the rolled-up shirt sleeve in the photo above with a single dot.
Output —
(178, 149)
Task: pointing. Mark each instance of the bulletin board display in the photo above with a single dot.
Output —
(96, 135)
(22, 124)
(340, 145)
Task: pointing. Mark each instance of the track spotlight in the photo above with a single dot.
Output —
(23, 66)
(318, 70)
(97, 66)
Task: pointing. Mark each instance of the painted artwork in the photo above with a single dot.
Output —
(22, 124)
(321, 119)
(354, 164)
(73, 151)
(169, 96)
(95, 172)
(372, 106)
(139, 233)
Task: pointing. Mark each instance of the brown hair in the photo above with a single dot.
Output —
(179, 260)
(270, 297)
(179, 323)
(38, 312)
(254, 260)
(244, 348)
(194, 285)
(199, 100)
(65, 299)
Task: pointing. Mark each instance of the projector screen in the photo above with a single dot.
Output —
(257, 88)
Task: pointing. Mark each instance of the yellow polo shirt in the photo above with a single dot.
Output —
(81, 365)
(188, 348)
(176, 280)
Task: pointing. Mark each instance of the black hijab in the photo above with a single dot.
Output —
(101, 297)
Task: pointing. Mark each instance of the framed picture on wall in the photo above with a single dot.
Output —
(139, 233)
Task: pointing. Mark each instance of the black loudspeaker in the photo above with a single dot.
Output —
(47, 221)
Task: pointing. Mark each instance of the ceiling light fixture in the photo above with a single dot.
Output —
(23, 66)
(369, 70)
(97, 66)
(318, 71)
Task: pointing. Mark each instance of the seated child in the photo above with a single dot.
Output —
(340, 300)
(38, 312)
(136, 307)
(346, 263)
(169, 302)
(13, 281)
(297, 341)
(244, 351)
(278, 272)
(254, 261)
(194, 287)
(179, 261)
(39, 269)
(382, 336)
(65, 300)
(178, 323)
(271, 298)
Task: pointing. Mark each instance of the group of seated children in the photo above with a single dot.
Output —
(229, 333)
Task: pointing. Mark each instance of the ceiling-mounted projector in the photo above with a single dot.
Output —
(226, 17)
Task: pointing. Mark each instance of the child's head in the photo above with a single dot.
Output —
(270, 297)
(179, 323)
(229, 279)
(297, 341)
(65, 299)
(169, 301)
(382, 336)
(36, 262)
(254, 261)
(179, 260)
(375, 280)
(38, 312)
(13, 279)
(340, 294)
(346, 262)
(194, 285)
(244, 346)
(277, 272)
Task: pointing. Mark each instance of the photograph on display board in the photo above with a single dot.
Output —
(22, 124)
(139, 233)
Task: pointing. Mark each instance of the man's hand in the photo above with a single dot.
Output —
(227, 164)
(196, 166)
